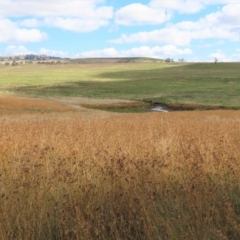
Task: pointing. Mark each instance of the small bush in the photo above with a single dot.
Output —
(14, 63)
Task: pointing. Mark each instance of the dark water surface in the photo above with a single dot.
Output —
(139, 109)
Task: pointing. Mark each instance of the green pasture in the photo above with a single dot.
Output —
(45, 75)
(206, 84)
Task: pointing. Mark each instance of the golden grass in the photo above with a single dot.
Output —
(135, 176)
(14, 105)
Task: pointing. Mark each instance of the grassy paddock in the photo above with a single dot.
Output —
(137, 176)
(43, 75)
(200, 85)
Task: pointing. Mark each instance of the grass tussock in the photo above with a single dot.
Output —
(148, 176)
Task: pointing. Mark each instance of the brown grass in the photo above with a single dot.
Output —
(136, 176)
(17, 105)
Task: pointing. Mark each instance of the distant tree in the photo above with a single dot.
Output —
(181, 60)
(169, 60)
(215, 60)
(29, 57)
(7, 63)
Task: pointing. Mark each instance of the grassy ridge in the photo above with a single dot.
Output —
(204, 84)
(92, 179)
(43, 75)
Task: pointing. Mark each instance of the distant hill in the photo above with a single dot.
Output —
(117, 60)
(43, 58)
(29, 57)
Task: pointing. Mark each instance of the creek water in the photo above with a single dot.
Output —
(140, 109)
(159, 109)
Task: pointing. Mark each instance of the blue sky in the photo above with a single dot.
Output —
(196, 30)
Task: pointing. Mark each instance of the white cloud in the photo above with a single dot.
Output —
(88, 8)
(223, 24)
(75, 24)
(139, 14)
(183, 6)
(236, 57)
(107, 52)
(49, 52)
(159, 11)
(166, 35)
(188, 6)
(215, 32)
(16, 50)
(10, 32)
(72, 15)
(70, 24)
(228, 17)
(54, 8)
(144, 51)
(30, 23)
(221, 56)
(207, 45)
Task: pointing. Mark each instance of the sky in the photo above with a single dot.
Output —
(194, 30)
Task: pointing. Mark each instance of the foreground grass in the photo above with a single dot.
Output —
(187, 86)
(148, 176)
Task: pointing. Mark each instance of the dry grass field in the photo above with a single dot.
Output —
(18, 105)
(66, 175)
